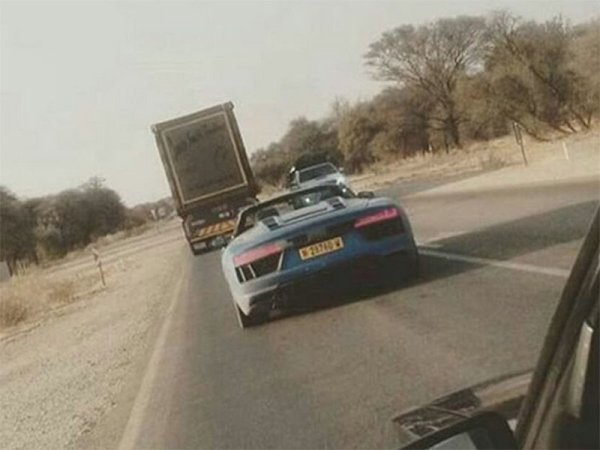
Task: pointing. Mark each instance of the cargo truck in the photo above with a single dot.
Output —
(208, 173)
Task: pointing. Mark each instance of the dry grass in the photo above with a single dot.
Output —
(35, 291)
(25, 297)
(492, 162)
(107, 240)
(20, 297)
(62, 292)
(123, 234)
(12, 311)
(477, 156)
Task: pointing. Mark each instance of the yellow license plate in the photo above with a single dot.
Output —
(321, 248)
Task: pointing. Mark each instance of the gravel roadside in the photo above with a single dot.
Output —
(57, 381)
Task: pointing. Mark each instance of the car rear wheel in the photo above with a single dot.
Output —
(247, 321)
(402, 269)
(416, 267)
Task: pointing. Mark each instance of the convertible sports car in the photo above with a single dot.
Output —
(310, 236)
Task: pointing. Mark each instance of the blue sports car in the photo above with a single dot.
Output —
(309, 236)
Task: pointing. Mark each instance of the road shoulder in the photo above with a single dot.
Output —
(71, 381)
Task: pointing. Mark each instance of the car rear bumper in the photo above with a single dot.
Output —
(301, 288)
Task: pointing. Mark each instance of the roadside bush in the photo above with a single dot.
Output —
(61, 292)
(12, 310)
(356, 130)
(492, 162)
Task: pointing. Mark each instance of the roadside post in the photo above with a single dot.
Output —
(519, 138)
(96, 254)
(566, 151)
(156, 218)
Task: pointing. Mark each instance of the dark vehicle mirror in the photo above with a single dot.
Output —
(365, 194)
(488, 430)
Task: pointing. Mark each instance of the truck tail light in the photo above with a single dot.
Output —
(256, 253)
(379, 216)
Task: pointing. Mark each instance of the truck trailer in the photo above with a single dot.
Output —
(208, 173)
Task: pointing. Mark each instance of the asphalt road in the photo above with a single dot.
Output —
(334, 377)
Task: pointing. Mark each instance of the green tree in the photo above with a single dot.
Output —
(73, 219)
(17, 239)
(106, 212)
(356, 130)
(402, 115)
(86, 213)
(305, 137)
(305, 140)
(271, 164)
(49, 242)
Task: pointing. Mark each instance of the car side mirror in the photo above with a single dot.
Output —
(366, 194)
(488, 430)
(340, 169)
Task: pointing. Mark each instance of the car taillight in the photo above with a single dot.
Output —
(379, 216)
(257, 253)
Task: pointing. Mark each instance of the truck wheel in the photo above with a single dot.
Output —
(198, 251)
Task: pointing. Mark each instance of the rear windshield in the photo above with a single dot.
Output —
(316, 172)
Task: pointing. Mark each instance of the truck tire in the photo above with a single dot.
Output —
(198, 251)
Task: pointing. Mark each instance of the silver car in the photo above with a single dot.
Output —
(325, 173)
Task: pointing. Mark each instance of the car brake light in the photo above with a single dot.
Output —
(256, 254)
(379, 216)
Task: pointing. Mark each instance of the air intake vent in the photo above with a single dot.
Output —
(260, 267)
(336, 203)
(271, 223)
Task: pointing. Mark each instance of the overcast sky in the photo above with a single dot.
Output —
(82, 82)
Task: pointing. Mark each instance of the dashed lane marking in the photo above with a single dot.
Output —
(551, 271)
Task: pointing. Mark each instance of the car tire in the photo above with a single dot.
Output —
(416, 273)
(244, 321)
(402, 270)
(247, 321)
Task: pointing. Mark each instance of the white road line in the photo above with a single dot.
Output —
(140, 405)
(431, 241)
(552, 271)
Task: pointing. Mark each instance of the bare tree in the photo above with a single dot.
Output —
(432, 57)
(538, 57)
